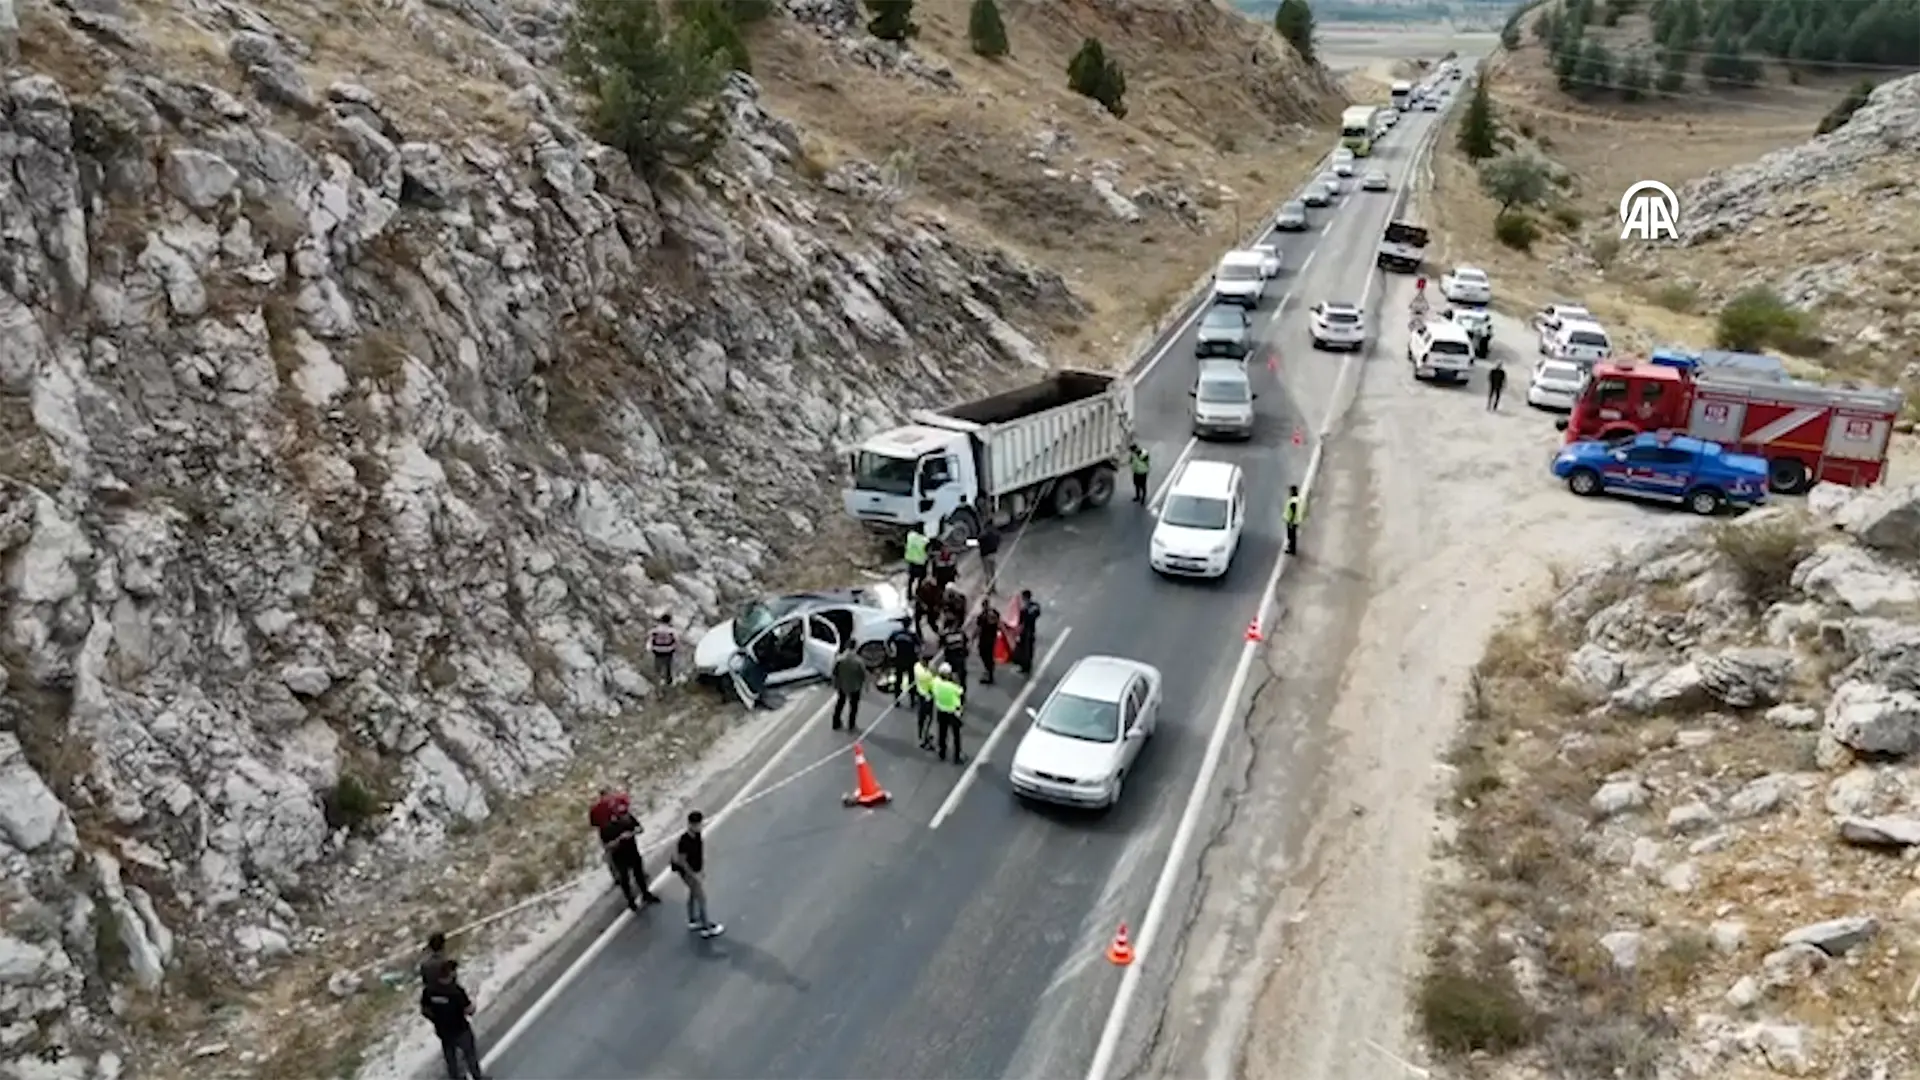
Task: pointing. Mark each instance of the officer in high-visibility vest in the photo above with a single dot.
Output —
(916, 557)
(923, 702)
(949, 698)
(1142, 464)
(1293, 515)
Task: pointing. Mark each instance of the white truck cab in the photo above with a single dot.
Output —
(1440, 351)
(1240, 279)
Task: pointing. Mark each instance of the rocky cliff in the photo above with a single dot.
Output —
(349, 440)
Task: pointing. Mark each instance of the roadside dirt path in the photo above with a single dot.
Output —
(1437, 520)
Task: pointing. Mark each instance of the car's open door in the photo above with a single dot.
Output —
(822, 647)
(792, 650)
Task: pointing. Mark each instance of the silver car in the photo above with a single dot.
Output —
(1222, 400)
(1331, 181)
(1292, 216)
(1316, 194)
(1374, 181)
(1084, 740)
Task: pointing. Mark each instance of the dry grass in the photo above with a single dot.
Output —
(1211, 106)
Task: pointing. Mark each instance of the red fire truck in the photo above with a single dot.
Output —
(1807, 432)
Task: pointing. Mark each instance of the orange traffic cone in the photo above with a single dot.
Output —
(1253, 630)
(867, 791)
(1121, 951)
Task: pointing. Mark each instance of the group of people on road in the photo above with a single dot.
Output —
(612, 817)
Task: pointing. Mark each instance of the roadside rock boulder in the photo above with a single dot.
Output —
(1871, 719)
(1657, 691)
(1747, 677)
(1845, 576)
(1887, 521)
(1835, 937)
(1881, 832)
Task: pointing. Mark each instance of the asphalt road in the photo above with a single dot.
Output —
(881, 944)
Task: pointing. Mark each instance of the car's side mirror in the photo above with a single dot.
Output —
(1193, 393)
(1254, 397)
(1033, 713)
(1136, 732)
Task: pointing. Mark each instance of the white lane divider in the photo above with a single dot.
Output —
(1161, 900)
(980, 757)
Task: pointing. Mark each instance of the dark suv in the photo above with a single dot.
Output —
(1225, 330)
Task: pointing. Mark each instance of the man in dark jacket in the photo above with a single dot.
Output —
(946, 563)
(620, 839)
(953, 648)
(989, 545)
(1029, 632)
(986, 632)
(447, 1007)
(435, 958)
(849, 679)
(928, 599)
(903, 651)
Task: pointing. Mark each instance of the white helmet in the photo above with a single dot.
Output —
(944, 669)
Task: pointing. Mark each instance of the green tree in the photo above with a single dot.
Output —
(1759, 317)
(1566, 60)
(985, 32)
(1479, 133)
(1515, 180)
(749, 11)
(1636, 78)
(1546, 28)
(1091, 73)
(1726, 65)
(1594, 71)
(1838, 116)
(1510, 30)
(892, 20)
(714, 22)
(1673, 72)
(653, 88)
(1293, 20)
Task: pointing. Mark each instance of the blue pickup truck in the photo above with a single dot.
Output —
(1702, 476)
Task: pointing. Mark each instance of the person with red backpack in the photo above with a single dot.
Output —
(612, 817)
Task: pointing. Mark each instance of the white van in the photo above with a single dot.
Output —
(1578, 342)
(1241, 278)
(1200, 520)
(1440, 350)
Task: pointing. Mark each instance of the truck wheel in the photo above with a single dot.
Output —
(1584, 482)
(1786, 476)
(1068, 495)
(962, 525)
(873, 654)
(1704, 501)
(1100, 487)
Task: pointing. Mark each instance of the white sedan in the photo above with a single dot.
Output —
(1269, 260)
(794, 637)
(1084, 740)
(1374, 181)
(1555, 385)
(1467, 285)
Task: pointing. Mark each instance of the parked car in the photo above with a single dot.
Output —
(1549, 318)
(1084, 739)
(1337, 325)
(1374, 181)
(1478, 323)
(1292, 216)
(793, 637)
(1467, 285)
(1555, 385)
(1269, 260)
(1225, 330)
(1700, 475)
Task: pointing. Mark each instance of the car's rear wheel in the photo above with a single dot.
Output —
(1584, 482)
(1705, 501)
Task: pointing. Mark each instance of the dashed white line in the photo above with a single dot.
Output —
(959, 791)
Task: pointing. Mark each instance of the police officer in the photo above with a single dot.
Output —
(949, 699)
(1029, 632)
(1142, 464)
(663, 641)
(953, 646)
(986, 630)
(916, 557)
(1294, 513)
(929, 601)
(903, 650)
(989, 545)
(923, 702)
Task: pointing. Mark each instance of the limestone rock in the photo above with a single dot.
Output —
(1871, 719)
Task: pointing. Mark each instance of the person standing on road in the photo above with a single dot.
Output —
(1142, 464)
(663, 641)
(620, 841)
(989, 545)
(1496, 382)
(445, 1004)
(927, 601)
(953, 647)
(690, 862)
(1029, 632)
(849, 680)
(955, 608)
(986, 632)
(923, 702)
(1292, 515)
(949, 699)
(916, 554)
(946, 563)
(434, 958)
(903, 649)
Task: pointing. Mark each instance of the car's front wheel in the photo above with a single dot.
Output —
(1584, 482)
(1705, 501)
(1113, 795)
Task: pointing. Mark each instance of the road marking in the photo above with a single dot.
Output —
(993, 738)
(565, 979)
(1184, 833)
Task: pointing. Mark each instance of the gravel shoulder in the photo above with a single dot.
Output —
(1438, 521)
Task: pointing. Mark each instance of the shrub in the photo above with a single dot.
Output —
(1091, 74)
(1293, 20)
(749, 11)
(1762, 556)
(1678, 296)
(1567, 217)
(653, 89)
(1516, 230)
(715, 22)
(1843, 111)
(985, 32)
(892, 20)
(1465, 1012)
(1515, 180)
(1759, 317)
(1604, 248)
(352, 804)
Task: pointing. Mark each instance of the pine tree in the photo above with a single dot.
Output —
(892, 20)
(1294, 21)
(1091, 74)
(985, 32)
(1635, 78)
(715, 24)
(1479, 132)
(1594, 71)
(653, 90)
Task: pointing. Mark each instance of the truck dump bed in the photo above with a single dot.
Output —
(1069, 421)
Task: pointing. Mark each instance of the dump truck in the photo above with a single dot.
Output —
(1403, 248)
(1055, 446)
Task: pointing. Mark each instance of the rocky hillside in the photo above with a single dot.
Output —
(357, 413)
(1685, 810)
(1829, 225)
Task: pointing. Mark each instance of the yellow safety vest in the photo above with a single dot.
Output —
(947, 696)
(1295, 511)
(1141, 463)
(923, 680)
(916, 548)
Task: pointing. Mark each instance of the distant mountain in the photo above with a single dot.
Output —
(1491, 12)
